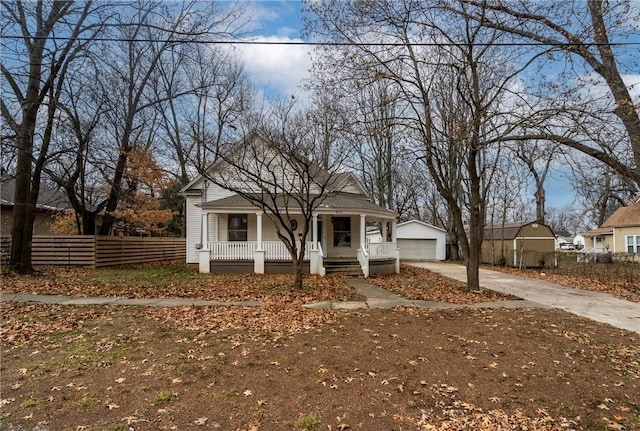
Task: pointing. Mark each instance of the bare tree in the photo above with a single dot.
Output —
(464, 72)
(537, 157)
(590, 37)
(40, 41)
(274, 170)
(204, 92)
(138, 44)
(76, 153)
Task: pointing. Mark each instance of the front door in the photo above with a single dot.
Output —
(320, 234)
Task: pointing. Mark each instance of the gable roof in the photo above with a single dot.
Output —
(507, 231)
(422, 223)
(48, 198)
(342, 180)
(625, 216)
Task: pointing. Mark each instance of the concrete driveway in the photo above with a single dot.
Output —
(601, 307)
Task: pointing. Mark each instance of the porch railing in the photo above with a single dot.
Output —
(232, 250)
(244, 250)
(379, 250)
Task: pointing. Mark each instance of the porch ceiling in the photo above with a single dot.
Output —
(340, 203)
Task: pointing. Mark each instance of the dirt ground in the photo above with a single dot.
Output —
(282, 367)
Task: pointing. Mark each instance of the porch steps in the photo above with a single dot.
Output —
(343, 267)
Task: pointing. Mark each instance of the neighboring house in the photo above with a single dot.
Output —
(579, 241)
(50, 202)
(620, 233)
(530, 244)
(418, 240)
(227, 233)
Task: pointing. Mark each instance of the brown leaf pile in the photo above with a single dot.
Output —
(186, 283)
(422, 284)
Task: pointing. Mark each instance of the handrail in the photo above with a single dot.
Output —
(363, 259)
(363, 247)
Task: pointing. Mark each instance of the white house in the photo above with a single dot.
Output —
(418, 240)
(226, 232)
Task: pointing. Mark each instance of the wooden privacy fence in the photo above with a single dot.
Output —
(100, 251)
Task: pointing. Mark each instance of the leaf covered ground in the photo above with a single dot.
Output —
(284, 367)
(425, 285)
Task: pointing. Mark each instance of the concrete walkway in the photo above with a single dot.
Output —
(601, 307)
(377, 297)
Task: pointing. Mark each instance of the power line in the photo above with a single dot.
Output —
(327, 43)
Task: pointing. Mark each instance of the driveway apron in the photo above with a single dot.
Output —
(601, 307)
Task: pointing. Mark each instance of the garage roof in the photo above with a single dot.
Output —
(506, 231)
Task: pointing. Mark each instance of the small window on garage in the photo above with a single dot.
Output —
(237, 227)
(342, 231)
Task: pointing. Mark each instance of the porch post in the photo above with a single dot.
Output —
(394, 240)
(313, 253)
(363, 229)
(258, 254)
(204, 254)
(315, 231)
(259, 230)
(384, 231)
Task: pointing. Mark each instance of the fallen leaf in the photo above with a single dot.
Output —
(247, 393)
(201, 421)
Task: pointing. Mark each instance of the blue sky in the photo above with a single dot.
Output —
(277, 68)
(280, 69)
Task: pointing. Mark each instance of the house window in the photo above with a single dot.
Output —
(633, 244)
(237, 227)
(342, 231)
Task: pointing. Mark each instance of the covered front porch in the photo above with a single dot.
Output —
(236, 240)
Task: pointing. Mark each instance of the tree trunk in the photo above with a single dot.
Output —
(23, 204)
(298, 273)
(114, 197)
(540, 196)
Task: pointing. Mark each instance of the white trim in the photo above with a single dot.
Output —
(204, 234)
(259, 231)
(422, 223)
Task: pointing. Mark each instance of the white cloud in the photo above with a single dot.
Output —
(280, 68)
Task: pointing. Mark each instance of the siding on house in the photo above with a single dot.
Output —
(193, 219)
(620, 237)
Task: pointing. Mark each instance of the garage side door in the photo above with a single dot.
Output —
(417, 249)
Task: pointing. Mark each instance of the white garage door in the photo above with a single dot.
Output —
(417, 249)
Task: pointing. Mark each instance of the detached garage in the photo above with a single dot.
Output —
(418, 240)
